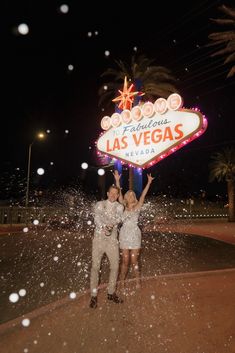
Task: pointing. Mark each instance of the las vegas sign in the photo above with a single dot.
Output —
(144, 135)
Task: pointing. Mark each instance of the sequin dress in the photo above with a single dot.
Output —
(130, 234)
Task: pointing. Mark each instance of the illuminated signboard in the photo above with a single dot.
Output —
(146, 134)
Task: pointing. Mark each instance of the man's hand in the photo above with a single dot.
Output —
(108, 230)
(117, 176)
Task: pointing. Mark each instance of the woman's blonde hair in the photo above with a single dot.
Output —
(127, 195)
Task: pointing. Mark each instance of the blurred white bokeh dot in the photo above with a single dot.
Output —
(64, 8)
(101, 171)
(40, 171)
(22, 292)
(84, 165)
(25, 322)
(23, 29)
(72, 295)
(13, 297)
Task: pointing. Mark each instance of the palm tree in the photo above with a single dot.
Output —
(154, 81)
(226, 37)
(223, 167)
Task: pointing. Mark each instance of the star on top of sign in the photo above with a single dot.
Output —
(127, 96)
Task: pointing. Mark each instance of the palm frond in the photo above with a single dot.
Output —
(154, 91)
(155, 81)
(228, 11)
(222, 36)
(225, 36)
(223, 165)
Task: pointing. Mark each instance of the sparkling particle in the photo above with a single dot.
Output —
(152, 297)
(23, 29)
(107, 53)
(13, 297)
(25, 322)
(101, 171)
(55, 258)
(36, 222)
(89, 223)
(59, 246)
(25, 229)
(89, 34)
(70, 67)
(22, 292)
(42, 284)
(84, 165)
(64, 8)
(72, 295)
(40, 171)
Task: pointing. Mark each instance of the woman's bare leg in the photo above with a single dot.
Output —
(135, 265)
(124, 266)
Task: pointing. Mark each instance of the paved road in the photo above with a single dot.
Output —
(50, 264)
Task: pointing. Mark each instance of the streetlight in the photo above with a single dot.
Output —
(39, 136)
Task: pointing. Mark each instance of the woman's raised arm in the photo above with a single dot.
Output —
(144, 192)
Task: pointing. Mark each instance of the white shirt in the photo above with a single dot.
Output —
(107, 213)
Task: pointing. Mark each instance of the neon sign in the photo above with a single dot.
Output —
(146, 134)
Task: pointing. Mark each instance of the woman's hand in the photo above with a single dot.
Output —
(150, 178)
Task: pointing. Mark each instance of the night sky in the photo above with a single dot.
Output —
(40, 92)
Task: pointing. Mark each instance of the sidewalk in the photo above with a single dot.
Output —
(11, 228)
(216, 228)
(183, 313)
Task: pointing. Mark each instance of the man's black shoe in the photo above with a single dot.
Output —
(93, 302)
(115, 298)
